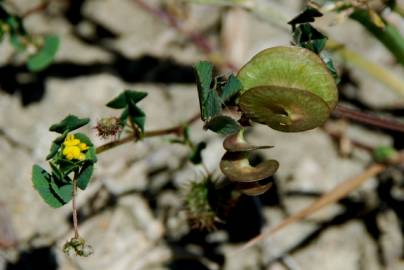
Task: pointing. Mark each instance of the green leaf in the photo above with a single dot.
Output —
(384, 153)
(124, 117)
(223, 125)
(137, 116)
(16, 42)
(91, 154)
(85, 175)
(209, 100)
(83, 138)
(330, 66)
(63, 190)
(41, 180)
(122, 100)
(119, 102)
(45, 55)
(56, 144)
(308, 37)
(232, 87)
(56, 172)
(67, 166)
(196, 155)
(70, 123)
(307, 16)
(135, 96)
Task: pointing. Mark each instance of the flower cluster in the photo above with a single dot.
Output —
(74, 148)
(108, 127)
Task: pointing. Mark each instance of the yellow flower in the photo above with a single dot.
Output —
(73, 148)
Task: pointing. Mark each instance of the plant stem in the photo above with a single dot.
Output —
(74, 206)
(154, 133)
(342, 111)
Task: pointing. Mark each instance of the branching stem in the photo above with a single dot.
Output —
(154, 133)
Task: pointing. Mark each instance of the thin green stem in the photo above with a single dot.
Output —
(74, 206)
(154, 133)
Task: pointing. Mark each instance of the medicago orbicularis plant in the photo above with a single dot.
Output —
(287, 88)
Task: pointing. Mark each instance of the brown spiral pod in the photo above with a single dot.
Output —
(250, 180)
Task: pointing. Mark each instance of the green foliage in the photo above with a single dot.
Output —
(223, 125)
(20, 39)
(196, 155)
(307, 16)
(213, 96)
(56, 188)
(85, 174)
(42, 181)
(384, 153)
(68, 124)
(306, 36)
(209, 100)
(56, 144)
(231, 88)
(199, 208)
(45, 55)
(128, 101)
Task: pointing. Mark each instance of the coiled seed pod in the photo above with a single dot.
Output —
(235, 165)
(287, 88)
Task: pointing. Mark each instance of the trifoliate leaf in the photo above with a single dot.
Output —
(45, 55)
(307, 16)
(196, 155)
(85, 175)
(231, 88)
(70, 123)
(42, 183)
(224, 125)
(209, 100)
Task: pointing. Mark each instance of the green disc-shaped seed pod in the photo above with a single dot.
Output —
(290, 67)
(250, 180)
(237, 143)
(237, 168)
(284, 109)
(284, 87)
(255, 188)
